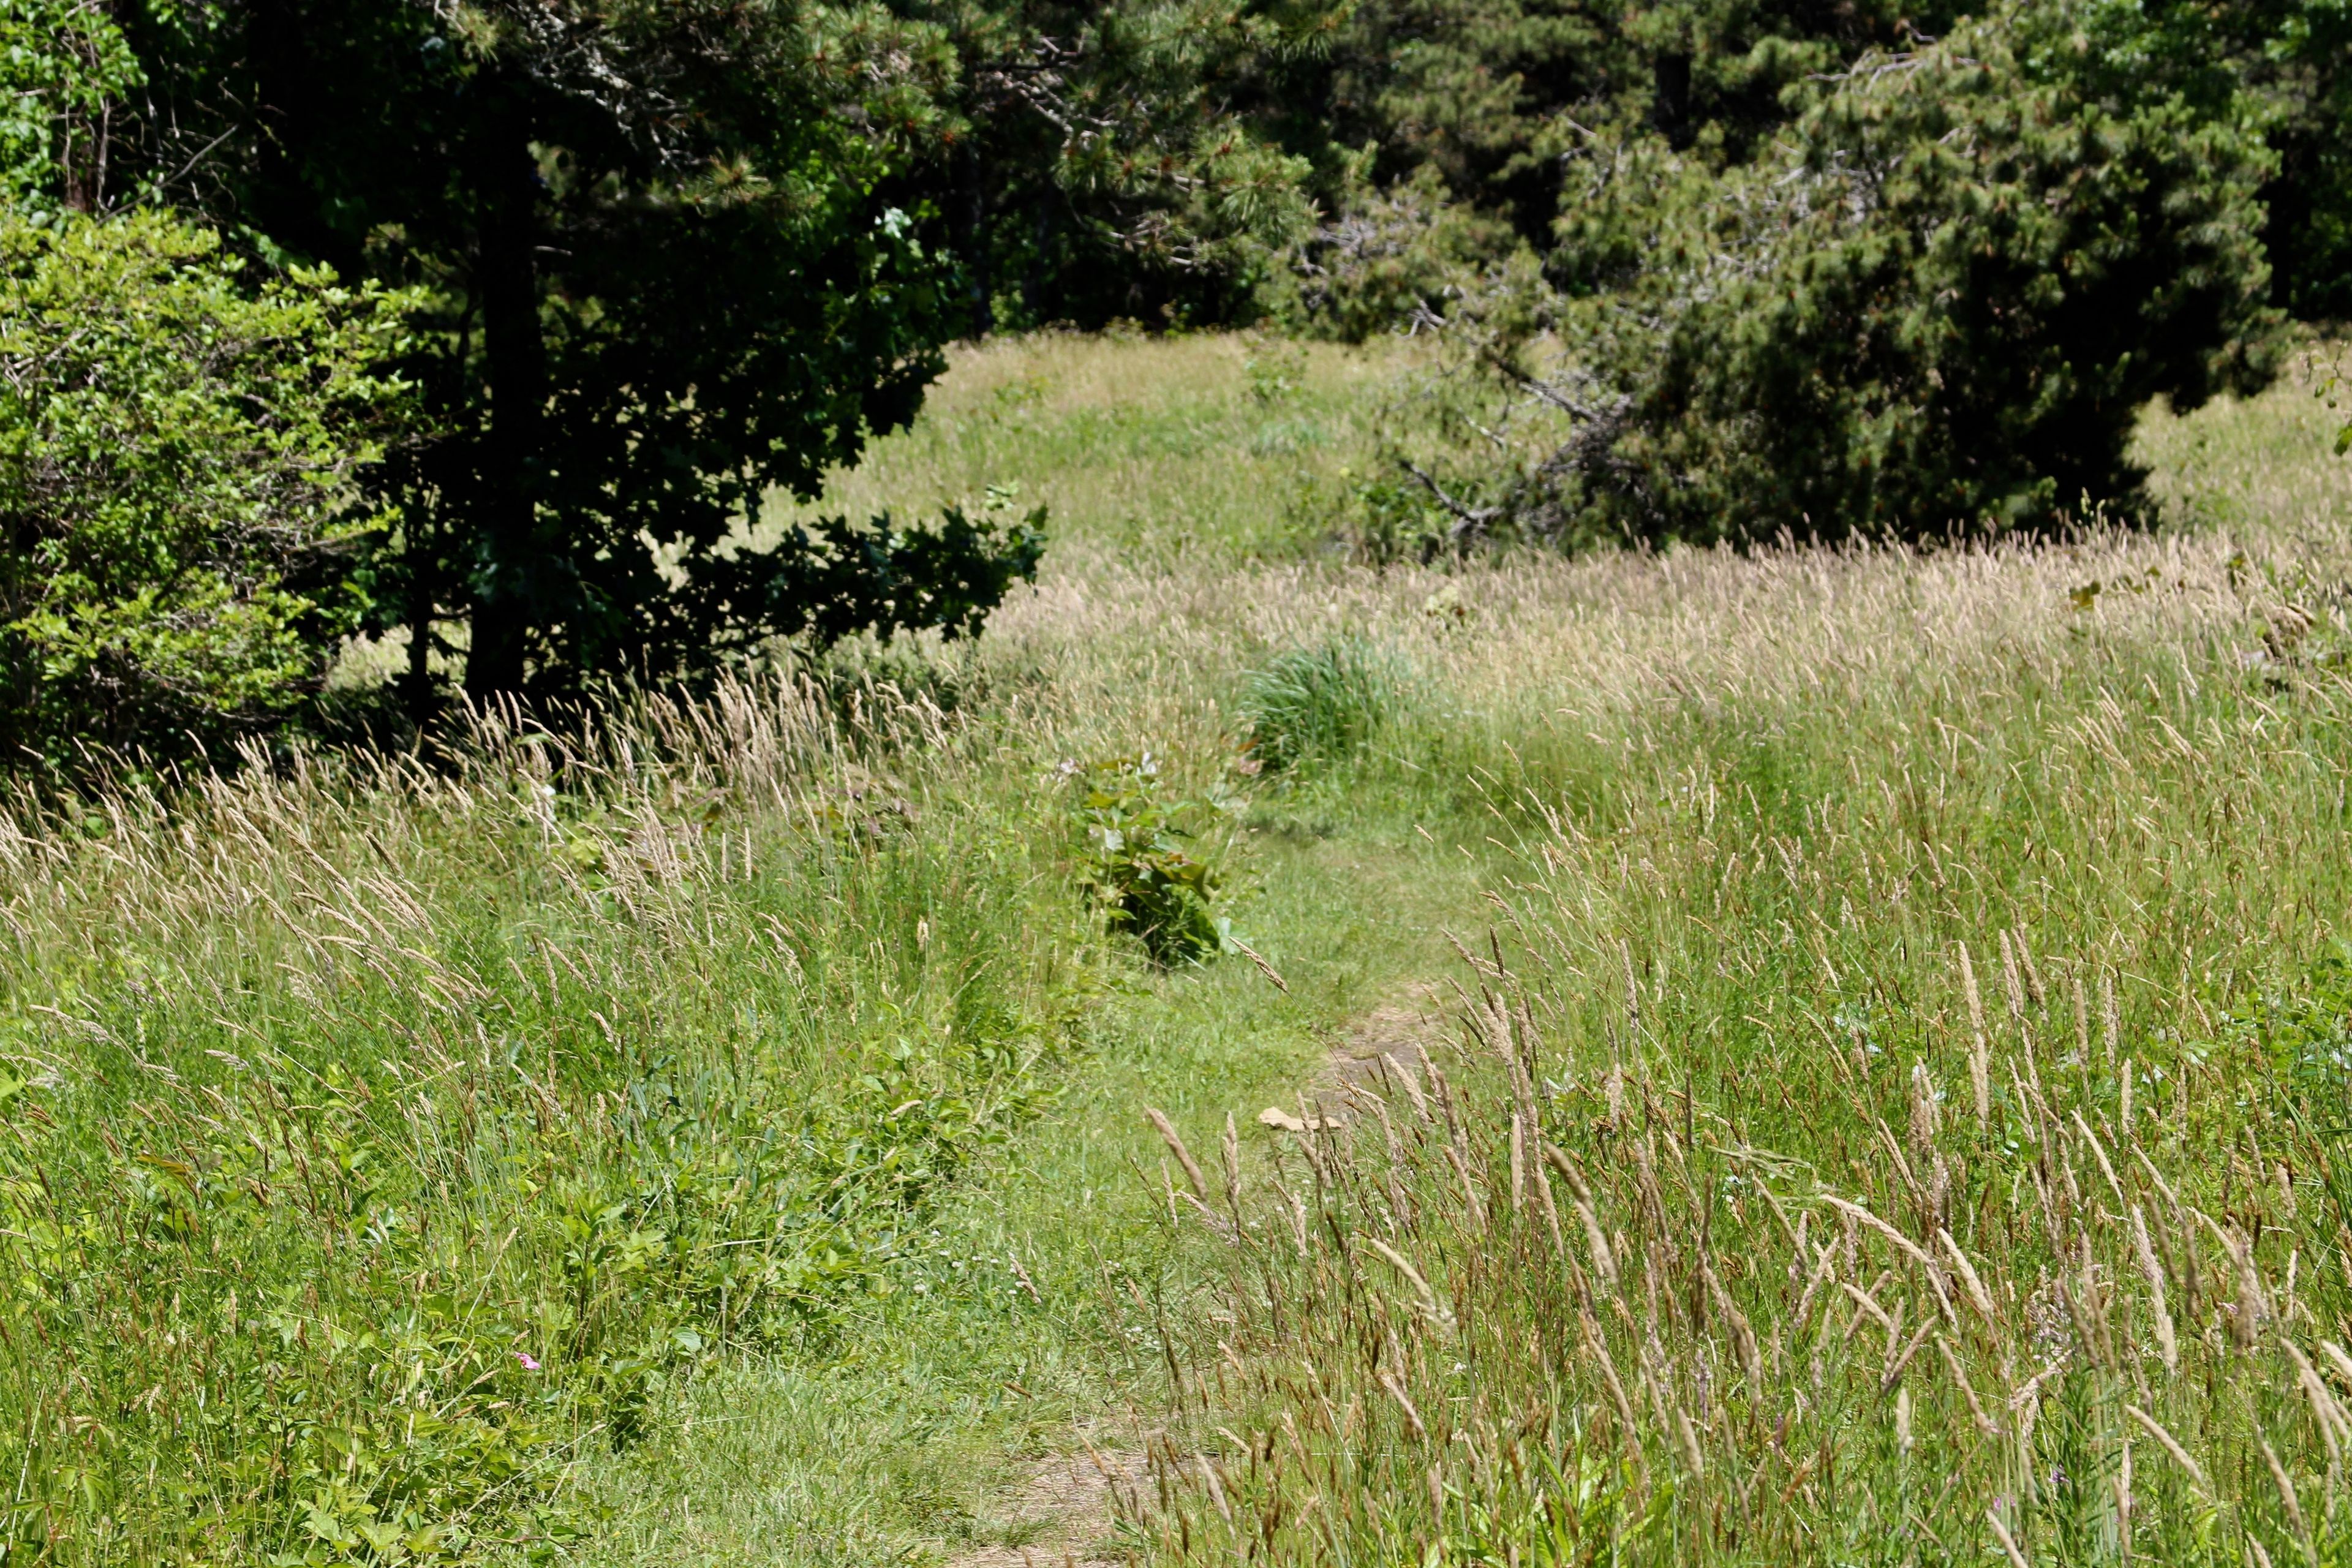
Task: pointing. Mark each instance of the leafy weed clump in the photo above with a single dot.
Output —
(1149, 884)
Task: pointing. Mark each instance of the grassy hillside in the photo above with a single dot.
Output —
(1147, 450)
(715, 1134)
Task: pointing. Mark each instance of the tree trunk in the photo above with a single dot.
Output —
(417, 683)
(974, 239)
(1670, 107)
(512, 551)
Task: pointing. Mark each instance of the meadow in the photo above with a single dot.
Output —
(1810, 1056)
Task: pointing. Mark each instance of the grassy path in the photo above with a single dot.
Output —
(373, 1141)
(913, 1432)
(929, 1430)
(911, 1436)
(926, 1427)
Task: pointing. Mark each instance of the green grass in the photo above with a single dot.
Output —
(912, 1437)
(723, 1062)
(1732, 972)
(379, 1142)
(1145, 452)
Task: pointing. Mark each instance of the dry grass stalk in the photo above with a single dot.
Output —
(2171, 1445)
(1979, 1047)
(1167, 1135)
(2166, 1343)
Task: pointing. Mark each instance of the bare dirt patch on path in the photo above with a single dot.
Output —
(1397, 1031)
(1063, 1513)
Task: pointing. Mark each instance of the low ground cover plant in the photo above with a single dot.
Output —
(1152, 872)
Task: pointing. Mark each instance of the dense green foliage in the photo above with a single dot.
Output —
(1145, 159)
(1104, 162)
(648, 273)
(1152, 159)
(183, 436)
(1708, 271)
(1784, 255)
(2285, 65)
(1939, 304)
(64, 68)
(660, 280)
(178, 453)
(1663, 184)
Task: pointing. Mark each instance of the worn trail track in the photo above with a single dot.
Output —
(1065, 1513)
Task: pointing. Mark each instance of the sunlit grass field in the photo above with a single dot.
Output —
(1881, 1103)
(1151, 451)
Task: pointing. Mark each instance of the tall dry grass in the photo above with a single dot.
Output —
(1895, 1116)
(377, 1139)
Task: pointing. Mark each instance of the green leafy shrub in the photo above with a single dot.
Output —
(178, 460)
(1320, 704)
(61, 62)
(836, 579)
(1146, 880)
